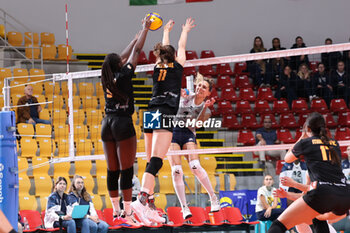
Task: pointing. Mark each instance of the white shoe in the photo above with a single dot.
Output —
(215, 204)
(141, 212)
(186, 213)
(154, 216)
(131, 220)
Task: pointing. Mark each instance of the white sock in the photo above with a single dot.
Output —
(179, 185)
(127, 207)
(115, 204)
(303, 228)
(331, 229)
(202, 176)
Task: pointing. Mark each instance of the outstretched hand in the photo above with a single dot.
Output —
(169, 26)
(188, 25)
(287, 181)
(183, 93)
(209, 102)
(281, 193)
(146, 22)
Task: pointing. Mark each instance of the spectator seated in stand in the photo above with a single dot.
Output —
(267, 205)
(276, 65)
(29, 114)
(331, 59)
(257, 69)
(78, 196)
(340, 82)
(304, 84)
(296, 61)
(287, 86)
(322, 85)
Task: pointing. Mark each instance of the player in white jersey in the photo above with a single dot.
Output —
(193, 107)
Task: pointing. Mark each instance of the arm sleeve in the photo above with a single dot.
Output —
(298, 149)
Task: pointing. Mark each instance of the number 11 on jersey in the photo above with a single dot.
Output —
(162, 74)
(325, 152)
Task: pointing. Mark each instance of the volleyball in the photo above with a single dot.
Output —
(157, 21)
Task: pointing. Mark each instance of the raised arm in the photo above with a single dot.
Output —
(139, 43)
(167, 29)
(127, 51)
(181, 52)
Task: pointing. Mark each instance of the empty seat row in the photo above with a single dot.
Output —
(16, 38)
(20, 72)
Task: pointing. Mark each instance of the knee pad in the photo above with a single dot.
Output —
(112, 180)
(126, 178)
(155, 164)
(277, 227)
(177, 172)
(320, 226)
(196, 168)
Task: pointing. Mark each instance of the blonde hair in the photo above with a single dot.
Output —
(200, 78)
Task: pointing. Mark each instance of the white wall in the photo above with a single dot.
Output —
(225, 26)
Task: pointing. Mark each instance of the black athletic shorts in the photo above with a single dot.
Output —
(329, 198)
(117, 128)
(181, 136)
(164, 110)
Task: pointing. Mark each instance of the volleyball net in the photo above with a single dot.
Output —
(247, 91)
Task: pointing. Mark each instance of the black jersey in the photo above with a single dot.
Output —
(167, 85)
(124, 84)
(317, 156)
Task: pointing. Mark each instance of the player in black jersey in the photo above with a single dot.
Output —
(167, 77)
(331, 192)
(118, 133)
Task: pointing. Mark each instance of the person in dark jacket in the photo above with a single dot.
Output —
(297, 60)
(305, 89)
(321, 84)
(287, 87)
(257, 69)
(275, 66)
(340, 82)
(331, 59)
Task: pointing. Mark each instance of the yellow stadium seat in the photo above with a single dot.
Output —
(15, 38)
(166, 168)
(101, 168)
(102, 102)
(25, 129)
(185, 166)
(61, 131)
(43, 166)
(62, 147)
(37, 88)
(86, 89)
(89, 102)
(89, 183)
(19, 72)
(233, 181)
(59, 117)
(138, 131)
(2, 30)
(80, 132)
(108, 202)
(95, 132)
(93, 116)
(165, 184)
(36, 74)
(28, 147)
(32, 52)
(191, 184)
(31, 38)
(22, 164)
(5, 73)
(135, 118)
(46, 148)
(58, 102)
(23, 183)
(78, 116)
(97, 201)
(1, 100)
(84, 147)
(98, 147)
(208, 163)
(43, 202)
(212, 179)
(48, 51)
(76, 102)
(61, 169)
(15, 99)
(27, 202)
(141, 163)
(43, 129)
(47, 38)
(41, 99)
(141, 145)
(16, 89)
(83, 168)
(44, 114)
(102, 185)
(51, 88)
(99, 90)
(43, 185)
(160, 200)
(64, 87)
(62, 52)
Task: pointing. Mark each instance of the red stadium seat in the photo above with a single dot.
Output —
(299, 106)
(271, 117)
(247, 94)
(265, 93)
(230, 121)
(287, 120)
(243, 106)
(298, 133)
(342, 134)
(280, 106)
(151, 57)
(330, 122)
(261, 107)
(338, 105)
(224, 81)
(190, 71)
(249, 121)
(319, 105)
(313, 66)
(191, 54)
(344, 119)
(279, 166)
(229, 94)
(302, 118)
(240, 68)
(33, 217)
(175, 215)
(225, 107)
(224, 69)
(213, 111)
(233, 215)
(285, 136)
(100, 215)
(142, 59)
(207, 70)
(242, 81)
(214, 94)
(219, 216)
(199, 217)
(108, 217)
(246, 137)
(207, 53)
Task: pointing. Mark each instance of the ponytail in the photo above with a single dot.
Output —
(324, 138)
(165, 53)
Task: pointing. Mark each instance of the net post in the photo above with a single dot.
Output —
(70, 115)
(6, 93)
